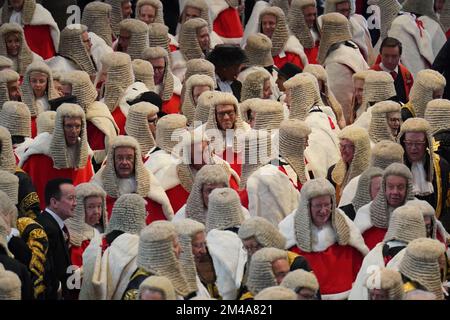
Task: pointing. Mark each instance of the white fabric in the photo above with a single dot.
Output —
(229, 259)
(436, 33)
(216, 7)
(361, 35)
(224, 86)
(61, 64)
(417, 50)
(181, 213)
(362, 218)
(349, 192)
(178, 65)
(293, 45)
(340, 65)
(252, 25)
(131, 93)
(99, 49)
(270, 194)
(421, 186)
(202, 291)
(42, 104)
(20, 149)
(111, 272)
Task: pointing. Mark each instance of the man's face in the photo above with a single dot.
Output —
(197, 91)
(65, 206)
(124, 162)
(12, 44)
(415, 146)
(394, 120)
(86, 41)
(268, 24)
(280, 83)
(437, 94)
(390, 57)
(438, 5)
(203, 38)
(428, 225)
(396, 188)
(344, 8)
(375, 186)
(378, 294)
(199, 246)
(310, 15)
(66, 89)
(17, 4)
(199, 155)
(149, 294)
(190, 13)
(58, 87)
(347, 150)
(207, 189)
(229, 73)
(124, 40)
(358, 85)
(93, 210)
(251, 245)
(267, 90)
(72, 130)
(38, 83)
(152, 120)
(225, 116)
(14, 91)
(320, 210)
(147, 14)
(159, 66)
(280, 269)
(127, 10)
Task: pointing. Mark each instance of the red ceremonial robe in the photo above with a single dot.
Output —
(40, 169)
(33, 127)
(39, 40)
(312, 53)
(335, 268)
(291, 57)
(228, 24)
(373, 236)
(408, 80)
(120, 119)
(96, 138)
(76, 253)
(172, 105)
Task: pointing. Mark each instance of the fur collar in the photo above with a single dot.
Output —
(293, 45)
(40, 145)
(362, 218)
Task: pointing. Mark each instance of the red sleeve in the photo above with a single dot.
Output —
(172, 105)
(228, 24)
(33, 127)
(290, 57)
(39, 40)
(177, 197)
(96, 137)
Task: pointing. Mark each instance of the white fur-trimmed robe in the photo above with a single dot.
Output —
(106, 276)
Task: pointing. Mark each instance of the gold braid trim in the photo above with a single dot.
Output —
(31, 199)
(437, 170)
(132, 294)
(410, 107)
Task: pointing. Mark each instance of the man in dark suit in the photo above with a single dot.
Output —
(228, 61)
(60, 201)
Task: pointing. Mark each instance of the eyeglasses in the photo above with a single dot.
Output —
(417, 144)
(321, 206)
(224, 113)
(346, 146)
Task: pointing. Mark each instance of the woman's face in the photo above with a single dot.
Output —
(38, 82)
(12, 44)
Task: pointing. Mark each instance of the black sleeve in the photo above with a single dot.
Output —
(349, 210)
(27, 287)
(20, 250)
(28, 205)
(445, 176)
(442, 61)
(300, 263)
(406, 114)
(329, 177)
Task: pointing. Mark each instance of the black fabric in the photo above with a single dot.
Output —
(288, 70)
(406, 114)
(329, 175)
(171, 14)
(400, 89)
(55, 103)
(20, 250)
(349, 210)
(236, 87)
(300, 263)
(21, 271)
(390, 252)
(58, 257)
(28, 200)
(443, 137)
(442, 64)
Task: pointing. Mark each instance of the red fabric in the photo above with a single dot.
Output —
(421, 27)
(233, 183)
(154, 209)
(39, 40)
(40, 168)
(120, 120)
(173, 105)
(105, 244)
(228, 24)
(331, 123)
(173, 47)
(312, 54)
(234, 159)
(76, 253)
(33, 127)
(447, 34)
(335, 268)
(408, 79)
(299, 184)
(96, 138)
(177, 196)
(289, 57)
(373, 236)
(243, 195)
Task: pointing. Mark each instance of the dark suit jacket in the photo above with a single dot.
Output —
(236, 87)
(58, 258)
(21, 270)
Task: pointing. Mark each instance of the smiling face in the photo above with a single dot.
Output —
(225, 116)
(12, 42)
(415, 144)
(320, 208)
